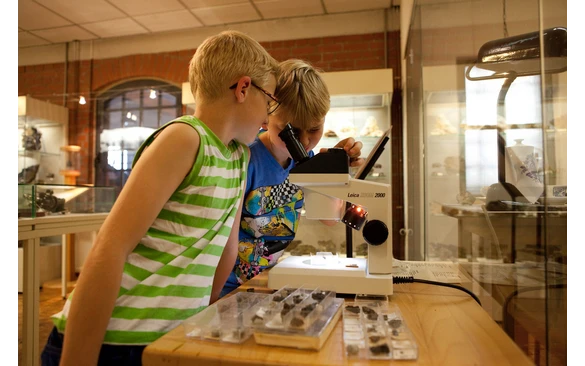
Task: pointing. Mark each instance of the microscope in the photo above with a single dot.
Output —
(326, 185)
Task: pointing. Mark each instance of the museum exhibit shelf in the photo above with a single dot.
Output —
(38, 200)
(42, 130)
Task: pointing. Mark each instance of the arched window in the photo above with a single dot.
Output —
(126, 115)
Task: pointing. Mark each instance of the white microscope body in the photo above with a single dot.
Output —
(326, 187)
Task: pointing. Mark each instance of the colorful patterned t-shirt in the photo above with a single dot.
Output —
(270, 215)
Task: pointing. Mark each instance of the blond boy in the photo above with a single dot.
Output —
(167, 246)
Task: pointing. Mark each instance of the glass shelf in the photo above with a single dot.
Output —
(42, 130)
(37, 200)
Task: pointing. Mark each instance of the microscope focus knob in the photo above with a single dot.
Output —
(375, 232)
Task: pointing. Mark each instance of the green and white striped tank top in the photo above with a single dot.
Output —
(168, 276)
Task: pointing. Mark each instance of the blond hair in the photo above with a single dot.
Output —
(302, 93)
(221, 59)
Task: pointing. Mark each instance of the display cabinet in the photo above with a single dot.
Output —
(65, 203)
(37, 200)
(48, 215)
(60, 211)
(42, 130)
(486, 115)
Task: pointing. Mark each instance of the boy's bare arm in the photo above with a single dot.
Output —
(227, 260)
(229, 255)
(156, 175)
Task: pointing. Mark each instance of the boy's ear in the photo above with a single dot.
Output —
(243, 88)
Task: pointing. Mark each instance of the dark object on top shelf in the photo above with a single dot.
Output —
(31, 139)
(48, 202)
(28, 175)
(45, 201)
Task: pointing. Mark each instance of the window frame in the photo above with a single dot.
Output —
(128, 106)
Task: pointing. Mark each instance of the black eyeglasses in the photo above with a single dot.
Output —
(272, 104)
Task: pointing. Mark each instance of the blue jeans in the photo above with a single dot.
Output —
(110, 355)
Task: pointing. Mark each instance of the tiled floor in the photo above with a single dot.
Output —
(51, 302)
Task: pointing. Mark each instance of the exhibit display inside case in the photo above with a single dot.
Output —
(42, 130)
(38, 200)
(360, 108)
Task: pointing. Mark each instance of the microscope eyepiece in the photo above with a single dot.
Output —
(293, 145)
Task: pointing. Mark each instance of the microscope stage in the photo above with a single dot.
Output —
(342, 275)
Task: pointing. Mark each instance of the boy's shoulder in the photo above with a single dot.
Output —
(256, 144)
(258, 151)
(194, 122)
(189, 119)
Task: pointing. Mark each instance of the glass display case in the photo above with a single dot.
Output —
(63, 206)
(487, 150)
(42, 130)
(37, 200)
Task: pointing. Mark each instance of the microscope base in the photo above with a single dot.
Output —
(298, 270)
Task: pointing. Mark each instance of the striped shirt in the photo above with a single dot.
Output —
(169, 275)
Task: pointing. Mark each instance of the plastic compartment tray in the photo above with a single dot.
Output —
(224, 321)
(374, 328)
(300, 317)
(294, 317)
(290, 309)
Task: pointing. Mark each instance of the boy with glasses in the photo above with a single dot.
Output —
(167, 247)
(272, 103)
(272, 205)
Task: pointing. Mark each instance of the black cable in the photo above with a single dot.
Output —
(410, 279)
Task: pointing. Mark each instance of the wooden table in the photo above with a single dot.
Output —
(449, 326)
(30, 231)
